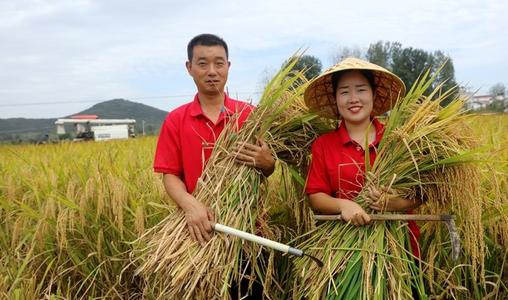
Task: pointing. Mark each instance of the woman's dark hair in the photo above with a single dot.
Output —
(205, 39)
(366, 73)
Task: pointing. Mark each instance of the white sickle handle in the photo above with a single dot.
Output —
(257, 239)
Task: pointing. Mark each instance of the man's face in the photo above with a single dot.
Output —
(209, 69)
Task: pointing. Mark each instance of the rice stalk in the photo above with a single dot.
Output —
(172, 263)
(59, 230)
(423, 146)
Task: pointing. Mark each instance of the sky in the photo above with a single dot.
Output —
(60, 57)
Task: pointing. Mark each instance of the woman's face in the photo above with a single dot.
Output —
(354, 97)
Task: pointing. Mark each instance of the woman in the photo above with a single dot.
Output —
(353, 91)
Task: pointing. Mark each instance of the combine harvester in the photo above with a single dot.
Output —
(90, 127)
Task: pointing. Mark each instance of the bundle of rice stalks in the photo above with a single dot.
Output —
(172, 263)
(485, 276)
(289, 210)
(424, 146)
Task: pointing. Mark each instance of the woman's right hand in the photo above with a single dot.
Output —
(354, 213)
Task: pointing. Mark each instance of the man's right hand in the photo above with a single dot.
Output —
(199, 218)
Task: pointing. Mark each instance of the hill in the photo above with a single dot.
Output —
(22, 129)
(124, 109)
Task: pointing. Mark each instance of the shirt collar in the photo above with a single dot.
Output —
(196, 110)
(344, 137)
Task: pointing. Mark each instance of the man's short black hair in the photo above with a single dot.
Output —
(206, 39)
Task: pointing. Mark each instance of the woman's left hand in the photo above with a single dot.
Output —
(385, 199)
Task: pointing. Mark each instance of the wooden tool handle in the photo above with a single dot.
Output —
(390, 217)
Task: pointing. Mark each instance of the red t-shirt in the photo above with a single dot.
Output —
(187, 137)
(338, 168)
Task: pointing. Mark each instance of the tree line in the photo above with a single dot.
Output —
(408, 63)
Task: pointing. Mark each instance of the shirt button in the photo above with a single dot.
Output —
(358, 148)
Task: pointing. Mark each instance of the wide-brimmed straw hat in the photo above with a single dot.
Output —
(320, 98)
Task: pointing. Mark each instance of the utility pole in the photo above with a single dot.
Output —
(143, 126)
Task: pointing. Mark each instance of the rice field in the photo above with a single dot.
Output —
(70, 215)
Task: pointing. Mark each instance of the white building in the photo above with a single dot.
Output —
(89, 127)
(480, 101)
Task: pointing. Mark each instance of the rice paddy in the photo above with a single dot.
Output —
(72, 215)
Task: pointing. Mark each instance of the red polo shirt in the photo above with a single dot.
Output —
(338, 168)
(187, 137)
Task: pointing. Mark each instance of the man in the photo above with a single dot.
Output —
(189, 132)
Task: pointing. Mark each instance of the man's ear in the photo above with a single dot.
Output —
(188, 66)
(229, 64)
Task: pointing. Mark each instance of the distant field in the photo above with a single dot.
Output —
(69, 212)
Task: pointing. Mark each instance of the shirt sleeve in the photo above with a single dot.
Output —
(317, 179)
(168, 152)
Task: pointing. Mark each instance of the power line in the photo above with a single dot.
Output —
(84, 101)
(98, 101)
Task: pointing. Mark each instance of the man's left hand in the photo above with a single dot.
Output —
(258, 156)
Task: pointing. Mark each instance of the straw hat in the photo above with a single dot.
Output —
(319, 95)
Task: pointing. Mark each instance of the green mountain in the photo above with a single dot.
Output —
(21, 129)
(32, 130)
(124, 109)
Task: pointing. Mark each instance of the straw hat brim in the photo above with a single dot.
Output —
(319, 95)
